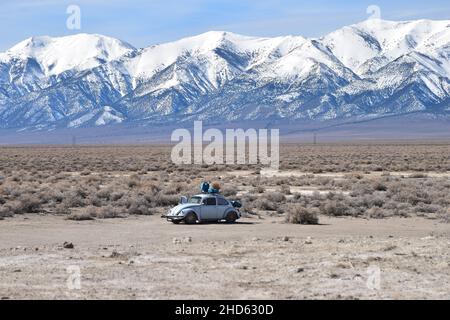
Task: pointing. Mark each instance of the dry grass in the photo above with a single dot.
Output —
(116, 181)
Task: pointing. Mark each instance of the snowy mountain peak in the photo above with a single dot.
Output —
(77, 52)
(375, 39)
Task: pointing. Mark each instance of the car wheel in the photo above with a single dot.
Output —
(191, 218)
(231, 217)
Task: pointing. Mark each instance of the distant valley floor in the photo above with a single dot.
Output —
(416, 127)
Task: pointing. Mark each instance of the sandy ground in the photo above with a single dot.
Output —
(149, 258)
(335, 175)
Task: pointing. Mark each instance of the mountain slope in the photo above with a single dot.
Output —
(40, 62)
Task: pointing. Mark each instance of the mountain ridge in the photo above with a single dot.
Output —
(374, 68)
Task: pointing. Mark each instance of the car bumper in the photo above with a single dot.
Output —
(174, 218)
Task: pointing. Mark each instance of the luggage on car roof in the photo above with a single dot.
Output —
(204, 187)
(212, 190)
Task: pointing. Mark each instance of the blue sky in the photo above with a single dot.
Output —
(143, 23)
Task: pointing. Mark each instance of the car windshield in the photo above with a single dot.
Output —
(195, 200)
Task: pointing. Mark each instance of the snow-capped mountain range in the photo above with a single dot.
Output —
(368, 70)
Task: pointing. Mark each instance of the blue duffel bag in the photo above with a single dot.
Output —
(204, 187)
(212, 190)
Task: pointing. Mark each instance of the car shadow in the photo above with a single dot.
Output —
(229, 224)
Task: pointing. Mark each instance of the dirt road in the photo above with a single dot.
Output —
(148, 258)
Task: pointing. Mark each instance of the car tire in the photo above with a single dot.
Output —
(191, 218)
(231, 217)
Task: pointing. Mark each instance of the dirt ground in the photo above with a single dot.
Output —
(145, 257)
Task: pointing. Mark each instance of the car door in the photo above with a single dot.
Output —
(209, 209)
(222, 206)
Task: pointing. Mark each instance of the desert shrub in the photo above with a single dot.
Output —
(80, 216)
(86, 213)
(228, 192)
(276, 197)
(25, 204)
(360, 189)
(376, 200)
(376, 213)
(355, 176)
(391, 205)
(264, 204)
(249, 197)
(163, 200)
(298, 214)
(115, 196)
(107, 212)
(138, 206)
(285, 189)
(51, 196)
(418, 175)
(61, 209)
(379, 186)
(334, 208)
(90, 212)
(104, 194)
(280, 210)
(96, 201)
(258, 189)
(427, 208)
(5, 211)
(16, 178)
(247, 208)
(411, 195)
(403, 209)
(132, 183)
(173, 188)
(72, 201)
(446, 215)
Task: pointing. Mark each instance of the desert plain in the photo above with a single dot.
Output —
(337, 221)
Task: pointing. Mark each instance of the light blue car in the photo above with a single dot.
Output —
(204, 207)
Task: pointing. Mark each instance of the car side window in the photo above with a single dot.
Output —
(209, 201)
(222, 202)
